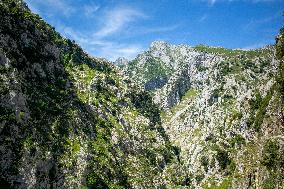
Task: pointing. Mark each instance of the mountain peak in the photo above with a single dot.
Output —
(159, 45)
(121, 61)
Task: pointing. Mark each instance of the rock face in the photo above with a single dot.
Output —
(222, 109)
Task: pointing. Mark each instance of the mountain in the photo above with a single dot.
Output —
(174, 117)
(69, 120)
(221, 108)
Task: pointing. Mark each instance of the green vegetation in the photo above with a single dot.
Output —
(189, 94)
(205, 162)
(270, 154)
(272, 159)
(270, 182)
(152, 72)
(214, 96)
(258, 110)
(280, 56)
(237, 140)
(225, 184)
(232, 52)
(223, 158)
(155, 69)
(185, 99)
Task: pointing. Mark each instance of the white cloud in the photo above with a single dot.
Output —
(89, 10)
(50, 6)
(116, 19)
(114, 51)
(111, 21)
(103, 48)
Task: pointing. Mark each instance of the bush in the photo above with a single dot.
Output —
(270, 154)
(237, 140)
(205, 162)
(223, 158)
(258, 106)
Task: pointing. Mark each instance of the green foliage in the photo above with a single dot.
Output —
(155, 69)
(280, 44)
(232, 52)
(189, 94)
(143, 102)
(205, 162)
(237, 140)
(261, 112)
(7, 115)
(214, 96)
(270, 182)
(270, 154)
(273, 160)
(153, 73)
(201, 68)
(74, 145)
(225, 184)
(223, 158)
(105, 170)
(94, 181)
(237, 115)
(280, 56)
(258, 107)
(227, 68)
(199, 177)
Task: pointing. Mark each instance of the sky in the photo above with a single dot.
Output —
(125, 28)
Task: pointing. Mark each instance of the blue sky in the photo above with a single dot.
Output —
(124, 28)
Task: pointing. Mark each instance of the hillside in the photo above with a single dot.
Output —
(69, 120)
(221, 107)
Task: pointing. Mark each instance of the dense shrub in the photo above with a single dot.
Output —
(270, 154)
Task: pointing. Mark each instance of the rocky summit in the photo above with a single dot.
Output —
(176, 116)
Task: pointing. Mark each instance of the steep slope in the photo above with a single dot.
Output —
(222, 108)
(69, 120)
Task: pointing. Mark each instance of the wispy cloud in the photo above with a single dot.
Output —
(116, 19)
(213, 2)
(110, 22)
(253, 23)
(160, 29)
(203, 18)
(90, 9)
(115, 50)
(104, 48)
(58, 6)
